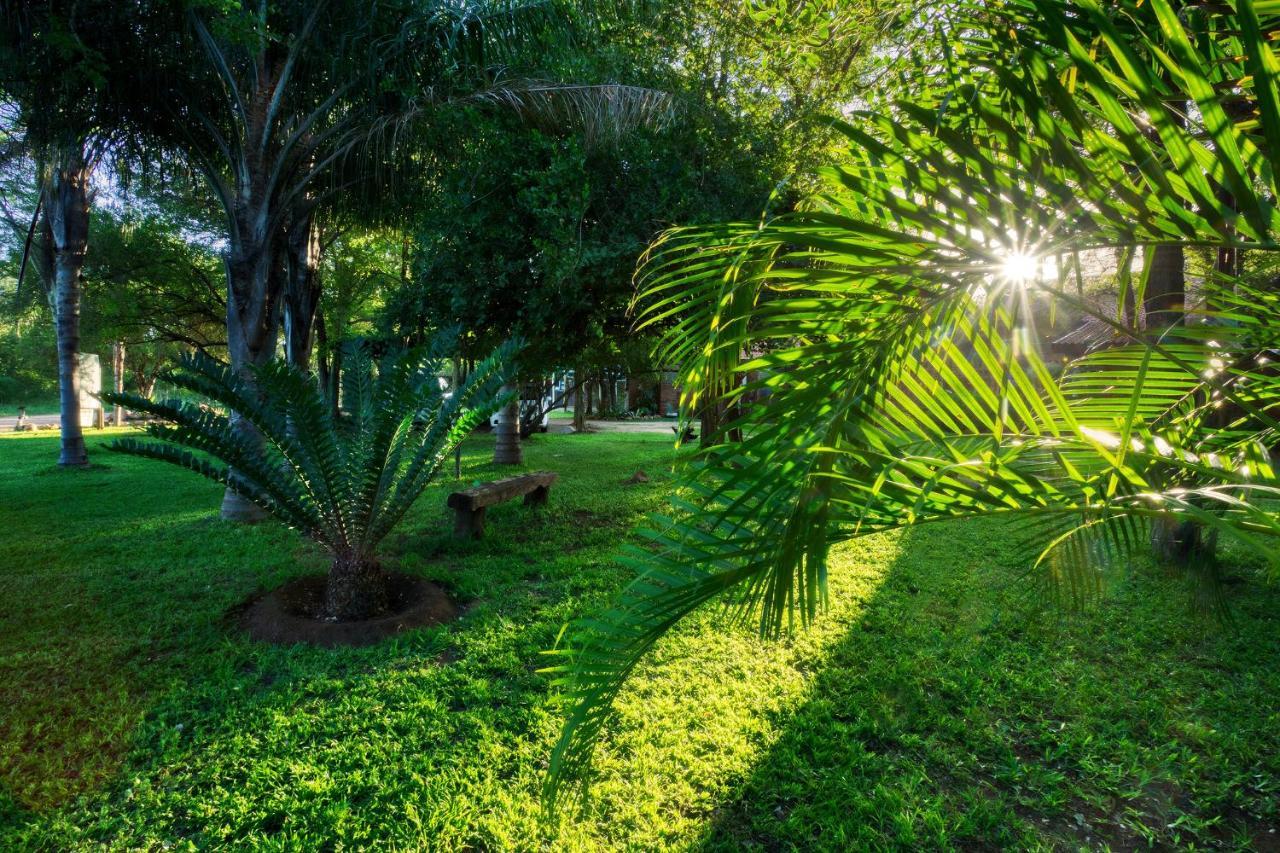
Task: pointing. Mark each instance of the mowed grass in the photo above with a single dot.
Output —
(935, 705)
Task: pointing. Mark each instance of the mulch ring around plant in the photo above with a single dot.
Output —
(291, 613)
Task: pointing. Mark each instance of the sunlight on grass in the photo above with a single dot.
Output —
(929, 706)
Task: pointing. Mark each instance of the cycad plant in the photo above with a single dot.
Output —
(891, 321)
(343, 482)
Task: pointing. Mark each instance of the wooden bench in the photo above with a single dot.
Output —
(469, 505)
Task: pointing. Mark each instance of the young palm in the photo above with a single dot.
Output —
(343, 482)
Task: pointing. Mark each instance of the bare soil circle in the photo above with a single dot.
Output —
(292, 613)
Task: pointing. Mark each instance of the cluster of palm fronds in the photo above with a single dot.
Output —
(344, 482)
(899, 355)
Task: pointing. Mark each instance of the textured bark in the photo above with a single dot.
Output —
(579, 403)
(253, 180)
(117, 380)
(66, 205)
(1166, 293)
(302, 292)
(255, 282)
(357, 589)
(506, 446)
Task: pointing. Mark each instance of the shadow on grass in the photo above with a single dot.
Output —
(959, 712)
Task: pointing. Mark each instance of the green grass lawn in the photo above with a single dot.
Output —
(934, 706)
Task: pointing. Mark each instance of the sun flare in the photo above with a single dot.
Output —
(1019, 268)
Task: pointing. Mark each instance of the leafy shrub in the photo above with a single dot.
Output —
(344, 482)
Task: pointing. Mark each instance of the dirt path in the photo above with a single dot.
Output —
(7, 424)
(663, 426)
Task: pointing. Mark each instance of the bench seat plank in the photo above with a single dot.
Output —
(500, 491)
(469, 505)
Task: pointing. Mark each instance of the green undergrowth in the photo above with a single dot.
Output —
(936, 705)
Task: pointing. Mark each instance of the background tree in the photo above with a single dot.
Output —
(55, 72)
(538, 236)
(285, 105)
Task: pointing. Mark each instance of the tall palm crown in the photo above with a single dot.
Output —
(891, 320)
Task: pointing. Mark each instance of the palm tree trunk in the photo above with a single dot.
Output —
(302, 289)
(117, 379)
(323, 372)
(255, 273)
(66, 204)
(335, 382)
(356, 589)
(1166, 293)
(506, 446)
(1180, 542)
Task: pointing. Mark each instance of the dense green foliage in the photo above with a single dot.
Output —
(891, 322)
(936, 708)
(872, 219)
(537, 234)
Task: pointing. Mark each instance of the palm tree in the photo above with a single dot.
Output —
(69, 123)
(65, 197)
(506, 442)
(289, 107)
(892, 319)
(342, 482)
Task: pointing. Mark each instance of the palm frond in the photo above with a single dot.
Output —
(904, 380)
(344, 483)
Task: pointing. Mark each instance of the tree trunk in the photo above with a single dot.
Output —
(708, 422)
(117, 380)
(66, 205)
(255, 282)
(145, 381)
(324, 374)
(1166, 293)
(1178, 542)
(1182, 542)
(335, 380)
(1129, 309)
(302, 288)
(356, 589)
(458, 378)
(580, 404)
(506, 446)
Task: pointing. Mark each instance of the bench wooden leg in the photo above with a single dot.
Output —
(538, 497)
(468, 524)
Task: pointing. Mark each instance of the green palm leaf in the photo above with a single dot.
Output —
(345, 482)
(905, 383)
